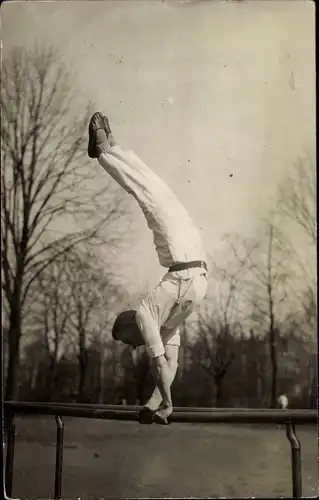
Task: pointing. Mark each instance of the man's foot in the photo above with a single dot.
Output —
(145, 415)
(99, 130)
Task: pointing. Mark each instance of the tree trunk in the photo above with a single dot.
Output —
(50, 378)
(313, 386)
(274, 367)
(219, 392)
(83, 362)
(114, 360)
(14, 335)
(259, 389)
(34, 375)
(101, 375)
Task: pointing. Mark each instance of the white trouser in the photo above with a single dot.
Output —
(166, 307)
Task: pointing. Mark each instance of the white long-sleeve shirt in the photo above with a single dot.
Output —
(176, 237)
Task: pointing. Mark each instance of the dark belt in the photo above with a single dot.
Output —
(188, 265)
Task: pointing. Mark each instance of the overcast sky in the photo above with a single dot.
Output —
(199, 90)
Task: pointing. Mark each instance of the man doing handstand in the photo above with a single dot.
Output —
(179, 247)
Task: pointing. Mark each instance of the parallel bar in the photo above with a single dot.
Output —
(181, 414)
(216, 416)
(295, 461)
(10, 455)
(59, 457)
(186, 409)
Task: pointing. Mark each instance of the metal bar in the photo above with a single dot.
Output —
(10, 455)
(181, 414)
(186, 409)
(58, 457)
(295, 460)
(216, 416)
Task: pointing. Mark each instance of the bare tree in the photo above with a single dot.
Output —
(218, 325)
(102, 336)
(45, 183)
(50, 312)
(264, 286)
(74, 301)
(297, 196)
(92, 294)
(297, 206)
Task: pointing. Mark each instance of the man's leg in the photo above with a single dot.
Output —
(126, 168)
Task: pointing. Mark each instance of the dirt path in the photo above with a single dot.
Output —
(104, 459)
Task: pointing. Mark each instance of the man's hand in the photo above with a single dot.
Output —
(162, 414)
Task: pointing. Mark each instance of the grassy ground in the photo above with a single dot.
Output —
(123, 459)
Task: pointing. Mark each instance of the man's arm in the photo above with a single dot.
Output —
(171, 355)
(162, 376)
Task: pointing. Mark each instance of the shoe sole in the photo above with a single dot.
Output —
(92, 148)
(93, 129)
